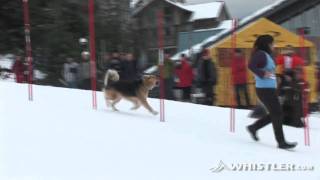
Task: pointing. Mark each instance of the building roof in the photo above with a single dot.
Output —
(199, 11)
(204, 10)
(248, 35)
(224, 25)
(264, 12)
(268, 12)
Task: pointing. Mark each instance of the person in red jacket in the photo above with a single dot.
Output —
(289, 60)
(239, 77)
(184, 76)
(18, 69)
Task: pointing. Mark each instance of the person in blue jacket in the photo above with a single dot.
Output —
(263, 67)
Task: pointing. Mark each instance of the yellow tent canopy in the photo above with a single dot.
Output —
(248, 34)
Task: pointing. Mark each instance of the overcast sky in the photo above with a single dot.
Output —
(242, 8)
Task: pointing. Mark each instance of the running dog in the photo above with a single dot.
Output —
(135, 91)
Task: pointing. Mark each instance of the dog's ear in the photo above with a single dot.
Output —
(150, 81)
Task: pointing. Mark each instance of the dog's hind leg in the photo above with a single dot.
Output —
(108, 103)
(114, 102)
(145, 104)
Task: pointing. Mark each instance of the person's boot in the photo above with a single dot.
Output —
(253, 133)
(287, 145)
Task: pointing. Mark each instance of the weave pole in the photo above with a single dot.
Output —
(233, 48)
(27, 30)
(161, 62)
(92, 54)
(304, 93)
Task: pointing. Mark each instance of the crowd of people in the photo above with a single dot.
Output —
(180, 77)
(183, 78)
(77, 75)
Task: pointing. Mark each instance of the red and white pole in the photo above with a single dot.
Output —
(27, 30)
(233, 49)
(161, 62)
(305, 96)
(92, 45)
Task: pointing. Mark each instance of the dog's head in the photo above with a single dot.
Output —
(150, 81)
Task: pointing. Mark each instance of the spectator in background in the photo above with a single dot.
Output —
(184, 76)
(105, 60)
(130, 68)
(70, 73)
(207, 76)
(18, 69)
(84, 72)
(239, 77)
(116, 63)
(289, 60)
(168, 76)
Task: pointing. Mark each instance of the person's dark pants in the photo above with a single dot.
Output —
(72, 84)
(186, 91)
(168, 88)
(207, 89)
(86, 84)
(242, 88)
(269, 99)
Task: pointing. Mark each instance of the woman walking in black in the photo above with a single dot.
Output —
(263, 66)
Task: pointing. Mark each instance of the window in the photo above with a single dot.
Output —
(168, 31)
(167, 11)
(168, 15)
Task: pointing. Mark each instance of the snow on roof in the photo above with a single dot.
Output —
(193, 50)
(262, 11)
(224, 25)
(245, 20)
(249, 18)
(204, 10)
(199, 11)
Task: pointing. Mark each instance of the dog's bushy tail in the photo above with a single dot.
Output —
(112, 75)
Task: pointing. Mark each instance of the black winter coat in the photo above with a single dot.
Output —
(207, 73)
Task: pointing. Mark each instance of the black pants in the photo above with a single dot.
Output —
(242, 88)
(168, 88)
(269, 99)
(208, 90)
(186, 91)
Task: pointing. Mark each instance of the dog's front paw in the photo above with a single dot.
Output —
(154, 112)
(115, 109)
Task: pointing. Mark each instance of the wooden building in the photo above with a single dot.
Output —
(178, 17)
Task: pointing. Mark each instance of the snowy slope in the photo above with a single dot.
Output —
(59, 137)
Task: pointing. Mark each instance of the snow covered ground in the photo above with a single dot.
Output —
(59, 137)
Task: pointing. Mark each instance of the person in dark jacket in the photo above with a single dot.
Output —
(184, 76)
(116, 63)
(239, 77)
(84, 72)
(130, 69)
(18, 69)
(207, 76)
(263, 66)
(168, 73)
